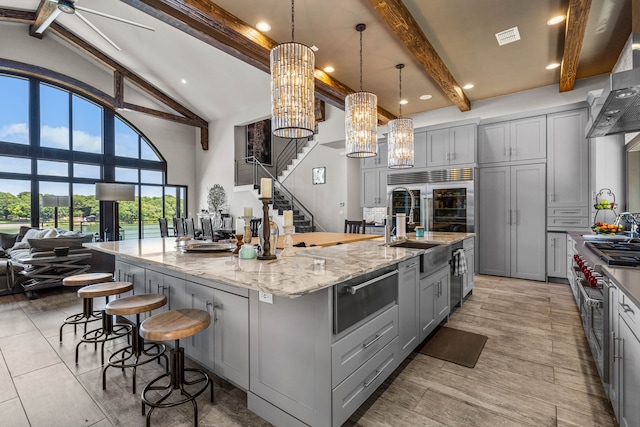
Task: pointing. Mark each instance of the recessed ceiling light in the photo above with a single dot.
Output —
(263, 26)
(329, 69)
(552, 66)
(403, 102)
(425, 97)
(183, 81)
(314, 48)
(556, 20)
(468, 86)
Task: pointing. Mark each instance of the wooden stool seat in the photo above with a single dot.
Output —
(104, 289)
(87, 279)
(135, 304)
(174, 324)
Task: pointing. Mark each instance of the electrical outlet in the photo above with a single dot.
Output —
(265, 297)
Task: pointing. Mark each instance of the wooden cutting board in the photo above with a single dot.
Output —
(322, 238)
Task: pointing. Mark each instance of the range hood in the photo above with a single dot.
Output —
(618, 109)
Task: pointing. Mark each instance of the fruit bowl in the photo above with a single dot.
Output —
(605, 206)
(604, 228)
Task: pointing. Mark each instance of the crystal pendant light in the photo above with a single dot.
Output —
(361, 118)
(292, 88)
(400, 138)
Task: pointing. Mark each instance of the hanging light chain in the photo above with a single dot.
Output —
(400, 69)
(360, 61)
(293, 25)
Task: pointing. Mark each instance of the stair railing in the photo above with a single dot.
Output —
(289, 153)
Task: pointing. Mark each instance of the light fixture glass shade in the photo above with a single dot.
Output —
(400, 143)
(361, 123)
(292, 90)
(114, 192)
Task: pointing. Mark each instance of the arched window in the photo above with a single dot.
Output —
(54, 142)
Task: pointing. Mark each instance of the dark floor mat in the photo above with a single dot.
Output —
(456, 346)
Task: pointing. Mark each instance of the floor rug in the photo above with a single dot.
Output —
(456, 346)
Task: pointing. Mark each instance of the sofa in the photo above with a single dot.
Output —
(17, 250)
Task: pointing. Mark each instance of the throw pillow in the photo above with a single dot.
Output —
(7, 240)
(50, 234)
(22, 232)
(34, 233)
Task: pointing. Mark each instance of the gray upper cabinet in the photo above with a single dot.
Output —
(373, 187)
(420, 150)
(377, 161)
(512, 141)
(452, 146)
(568, 160)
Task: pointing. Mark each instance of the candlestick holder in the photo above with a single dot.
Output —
(247, 229)
(238, 244)
(266, 232)
(288, 242)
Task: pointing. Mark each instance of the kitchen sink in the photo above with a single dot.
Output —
(414, 244)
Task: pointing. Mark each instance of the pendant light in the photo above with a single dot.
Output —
(400, 138)
(292, 88)
(361, 118)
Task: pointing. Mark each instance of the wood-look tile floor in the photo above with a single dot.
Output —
(535, 370)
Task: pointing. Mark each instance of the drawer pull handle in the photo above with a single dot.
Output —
(412, 265)
(378, 372)
(626, 308)
(376, 338)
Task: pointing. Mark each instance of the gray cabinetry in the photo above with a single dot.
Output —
(629, 375)
(451, 147)
(567, 169)
(126, 272)
(420, 150)
(434, 300)
(377, 161)
(512, 141)
(557, 255)
(199, 346)
(442, 299)
(512, 221)
(409, 305)
(469, 254)
(614, 372)
(374, 187)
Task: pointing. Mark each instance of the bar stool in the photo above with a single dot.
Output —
(87, 315)
(108, 331)
(173, 325)
(139, 352)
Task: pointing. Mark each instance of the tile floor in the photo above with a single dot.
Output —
(536, 369)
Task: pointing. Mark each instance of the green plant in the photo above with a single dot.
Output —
(217, 197)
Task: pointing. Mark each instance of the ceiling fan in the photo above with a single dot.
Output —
(70, 7)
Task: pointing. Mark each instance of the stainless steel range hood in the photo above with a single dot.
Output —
(620, 111)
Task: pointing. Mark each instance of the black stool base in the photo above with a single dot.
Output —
(177, 383)
(107, 332)
(129, 357)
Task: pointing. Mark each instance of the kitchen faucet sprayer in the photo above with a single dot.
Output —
(387, 232)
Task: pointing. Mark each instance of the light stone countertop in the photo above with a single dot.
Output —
(312, 269)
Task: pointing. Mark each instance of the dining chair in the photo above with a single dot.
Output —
(207, 228)
(189, 228)
(255, 223)
(178, 225)
(355, 227)
(164, 227)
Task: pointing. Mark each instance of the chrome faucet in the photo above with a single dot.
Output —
(630, 218)
(387, 229)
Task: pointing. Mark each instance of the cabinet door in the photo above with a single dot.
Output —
(409, 306)
(427, 306)
(529, 138)
(382, 161)
(614, 362)
(494, 238)
(568, 160)
(493, 143)
(528, 239)
(155, 285)
(370, 188)
(557, 255)
(200, 346)
(230, 327)
(629, 412)
(443, 299)
(382, 187)
(420, 150)
(462, 145)
(438, 148)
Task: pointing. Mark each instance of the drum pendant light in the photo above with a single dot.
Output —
(361, 118)
(400, 138)
(292, 88)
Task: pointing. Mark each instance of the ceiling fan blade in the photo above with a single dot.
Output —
(115, 18)
(48, 21)
(94, 28)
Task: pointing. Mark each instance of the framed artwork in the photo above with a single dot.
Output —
(318, 175)
(259, 141)
(318, 106)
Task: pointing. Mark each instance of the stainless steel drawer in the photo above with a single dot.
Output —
(568, 222)
(571, 212)
(352, 393)
(351, 351)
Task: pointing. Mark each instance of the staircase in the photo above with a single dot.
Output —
(301, 222)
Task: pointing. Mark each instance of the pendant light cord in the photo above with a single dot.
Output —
(400, 92)
(292, 21)
(361, 61)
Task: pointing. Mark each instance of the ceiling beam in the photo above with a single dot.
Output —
(407, 30)
(215, 26)
(44, 18)
(577, 17)
(14, 15)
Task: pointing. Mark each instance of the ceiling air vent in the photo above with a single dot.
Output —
(508, 36)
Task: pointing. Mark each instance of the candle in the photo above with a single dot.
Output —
(248, 212)
(288, 218)
(265, 188)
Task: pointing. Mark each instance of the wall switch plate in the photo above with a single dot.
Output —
(265, 297)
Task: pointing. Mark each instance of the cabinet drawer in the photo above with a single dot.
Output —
(351, 351)
(628, 310)
(468, 243)
(568, 222)
(352, 393)
(571, 212)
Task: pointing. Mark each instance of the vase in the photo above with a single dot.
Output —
(216, 220)
(273, 235)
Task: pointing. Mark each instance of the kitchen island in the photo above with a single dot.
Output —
(273, 332)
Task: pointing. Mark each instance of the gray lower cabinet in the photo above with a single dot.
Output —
(434, 300)
(557, 255)
(511, 230)
(629, 375)
(614, 372)
(469, 254)
(409, 305)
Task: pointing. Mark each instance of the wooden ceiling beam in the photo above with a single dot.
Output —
(577, 17)
(407, 30)
(19, 16)
(44, 13)
(215, 26)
